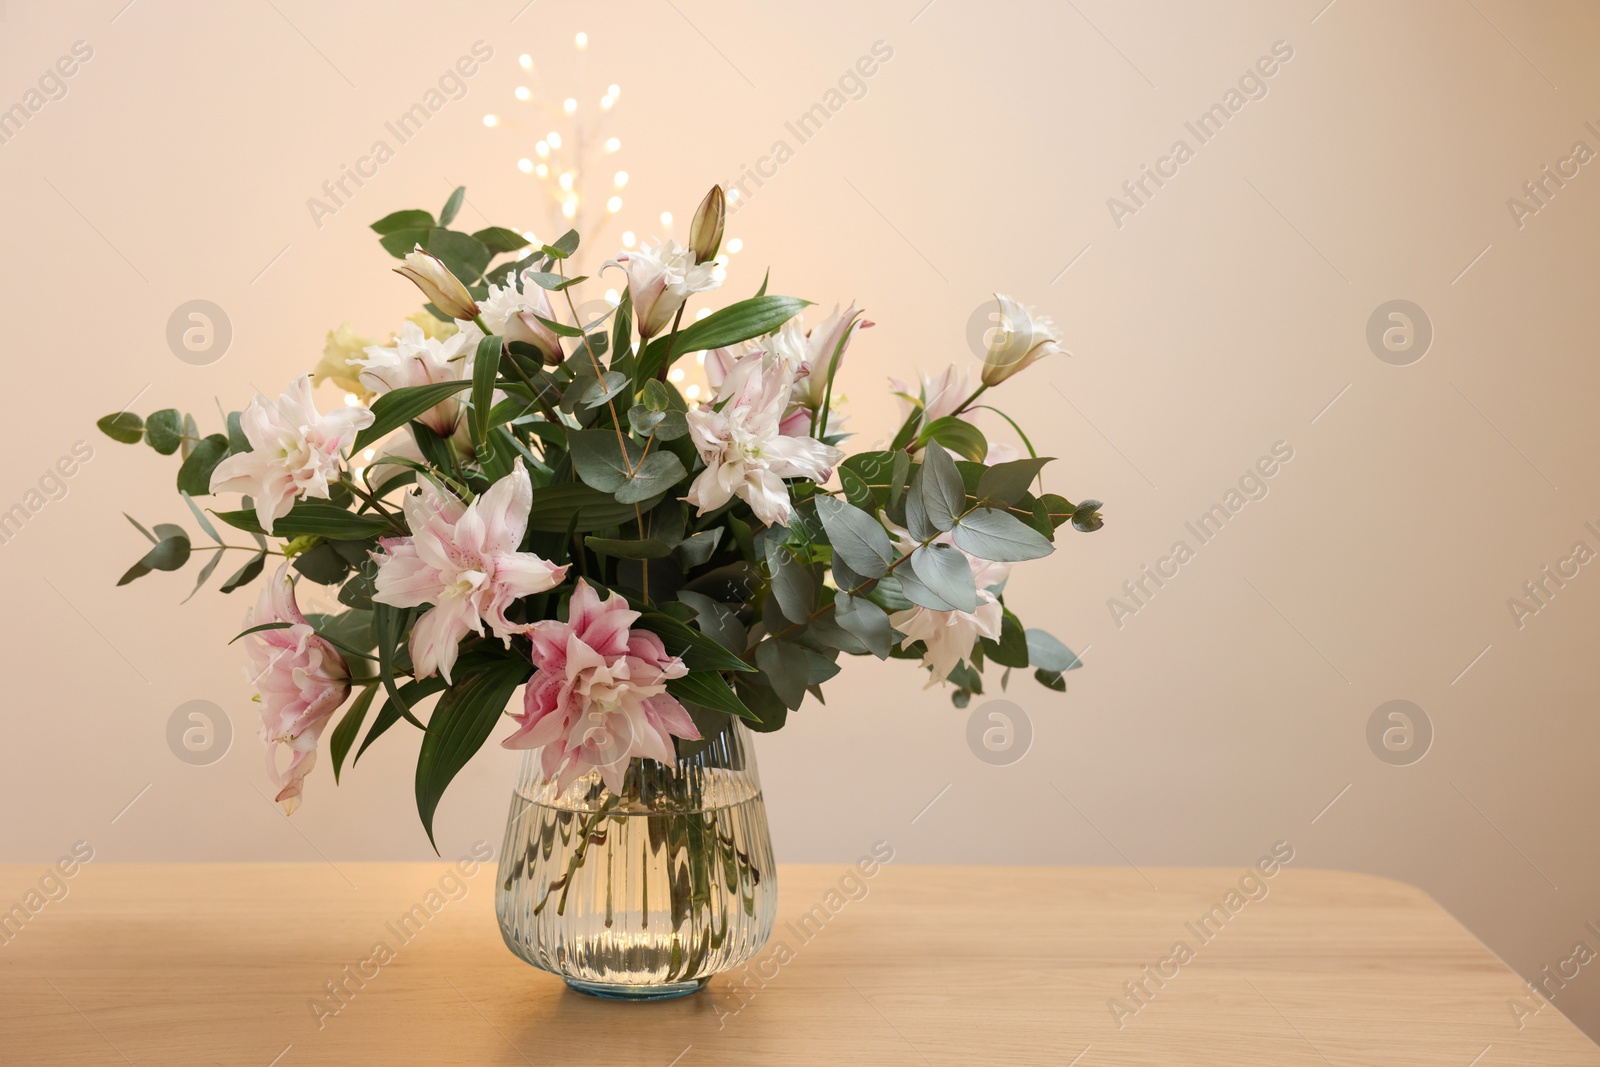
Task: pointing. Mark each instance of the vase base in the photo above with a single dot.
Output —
(622, 991)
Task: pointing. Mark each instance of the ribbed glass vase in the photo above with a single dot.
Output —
(647, 893)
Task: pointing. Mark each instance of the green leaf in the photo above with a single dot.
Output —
(560, 328)
(737, 322)
(205, 572)
(698, 651)
(200, 517)
(237, 441)
(565, 245)
(958, 435)
(389, 626)
(452, 206)
(1012, 648)
(169, 554)
(462, 722)
(658, 472)
(918, 592)
(991, 534)
(124, 426)
(697, 549)
(598, 457)
(191, 436)
(163, 430)
(649, 548)
(1051, 680)
(246, 574)
(939, 488)
(318, 517)
(1086, 516)
(1006, 483)
(401, 243)
(857, 537)
(322, 564)
(760, 698)
(194, 477)
(1050, 655)
(150, 536)
(465, 256)
(580, 507)
(259, 628)
(411, 693)
(944, 569)
(792, 582)
(716, 620)
(867, 621)
(485, 364)
(394, 409)
(403, 220)
(344, 734)
(500, 240)
(787, 668)
(709, 690)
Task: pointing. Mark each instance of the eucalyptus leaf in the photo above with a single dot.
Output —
(787, 668)
(403, 220)
(945, 570)
(246, 574)
(658, 472)
(452, 206)
(856, 536)
(717, 621)
(867, 621)
(1050, 655)
(792, 582)
(1006, 483)
(124, 426)
(194, 477)
(944, 496)
(163, 430)
(991, 534)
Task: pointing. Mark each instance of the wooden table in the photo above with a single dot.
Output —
(221, 964)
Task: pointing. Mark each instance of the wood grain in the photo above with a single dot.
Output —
(219, 965)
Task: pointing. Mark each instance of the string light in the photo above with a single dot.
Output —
(614, 205)
(566, 181)
(543, 148)
(613, 143)
(720, 274)
(613, 297)
(628, 238)
(735, 245)
(553, 138)
(525, 165)
(582, 40)
(569, 105)
(491, 120)
(620, 179)
(369, 454)
(542, 171)
(613, 90)
(693, 392)
(523, 93)
(702, 314)
(606, 102)
(351, 400)
(525, 61)
(676, 374)
(666, 218)
(569, 208)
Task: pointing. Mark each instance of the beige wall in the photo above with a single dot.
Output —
(1221, 317)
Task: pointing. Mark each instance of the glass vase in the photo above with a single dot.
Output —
(645, 893)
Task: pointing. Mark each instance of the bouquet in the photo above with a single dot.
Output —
(511, 497)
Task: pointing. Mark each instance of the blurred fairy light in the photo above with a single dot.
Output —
(568, 143)
(735, 245)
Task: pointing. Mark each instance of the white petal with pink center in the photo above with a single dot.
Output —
(599, 697)
(295, 451)
(948, 636)
(301, 681)
(462, 559)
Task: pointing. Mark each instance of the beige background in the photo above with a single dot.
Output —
(1222, 317)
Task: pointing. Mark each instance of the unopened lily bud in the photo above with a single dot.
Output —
(705, 235)
(1019, 339)
(442, 288)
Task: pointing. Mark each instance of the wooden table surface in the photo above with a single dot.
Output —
(222, 964)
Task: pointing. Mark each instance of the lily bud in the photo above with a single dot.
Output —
(705, 234)
(442, 288)
(1020, 338)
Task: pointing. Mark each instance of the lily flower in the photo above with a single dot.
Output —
(660, 279)
(948, 636)
(301, 680)
(442, 288)
(417, 359)
(1021, 339)
(599, 696)
(512, 312)
(746, 452)
(462, 559)
(295, 451)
